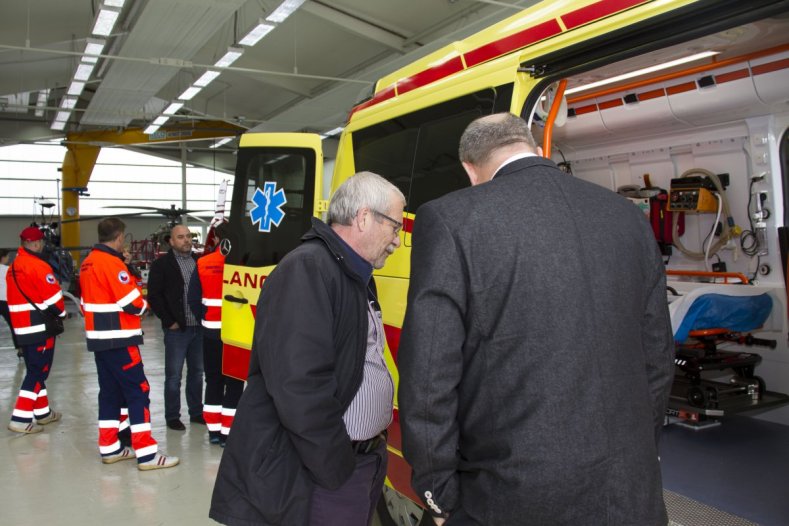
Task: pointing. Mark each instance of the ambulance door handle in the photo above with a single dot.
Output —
(235, 299)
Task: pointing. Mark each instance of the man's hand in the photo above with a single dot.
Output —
(174, 327)
(439, 521)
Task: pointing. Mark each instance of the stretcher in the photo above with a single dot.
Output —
(712, 325)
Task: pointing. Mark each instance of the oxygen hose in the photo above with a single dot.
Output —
(727, 223)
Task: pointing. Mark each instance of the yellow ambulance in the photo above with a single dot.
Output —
(614, 90)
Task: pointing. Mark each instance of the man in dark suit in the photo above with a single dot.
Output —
(536, 355)
(174, 296)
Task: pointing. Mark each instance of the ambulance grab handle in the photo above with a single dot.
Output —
(235, 299)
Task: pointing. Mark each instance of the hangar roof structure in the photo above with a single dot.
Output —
(304, 74)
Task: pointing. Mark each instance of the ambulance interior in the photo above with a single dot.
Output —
(699, 142)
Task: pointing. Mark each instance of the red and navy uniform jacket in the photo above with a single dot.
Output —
(39, 283)
(111, 300)
(210, 269)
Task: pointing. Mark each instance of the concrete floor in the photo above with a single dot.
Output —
(56, 478)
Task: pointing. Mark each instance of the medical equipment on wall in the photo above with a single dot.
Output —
(701, 191)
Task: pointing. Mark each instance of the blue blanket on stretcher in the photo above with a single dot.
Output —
(735, 313)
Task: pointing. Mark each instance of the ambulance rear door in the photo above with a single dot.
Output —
(276, 192)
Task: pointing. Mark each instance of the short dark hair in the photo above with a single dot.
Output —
(487, 134)
(109, 228)
(4, 252)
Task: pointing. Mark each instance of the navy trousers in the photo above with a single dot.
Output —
(353, 503)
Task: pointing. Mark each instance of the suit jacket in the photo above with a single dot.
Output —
(536, 355)
(166, 292)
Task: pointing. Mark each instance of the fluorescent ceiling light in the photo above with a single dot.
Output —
(206, 78)
(41, 102)
(172, 108)
(75, 88)
(332, 133)
(158, 121)
(231, 56)
(284, 10)
(150, 129)
(94, 46)
(256, 33)
(190, 92)
(63, 116)
(58, 125)
(68, 102)
(105, 21)
(93, 49)
(640, 72)
(115, 3)
(84, 71)
(222, 142)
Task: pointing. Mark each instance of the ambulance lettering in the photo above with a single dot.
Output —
(247, 280)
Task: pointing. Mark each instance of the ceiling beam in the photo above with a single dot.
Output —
(356, 26)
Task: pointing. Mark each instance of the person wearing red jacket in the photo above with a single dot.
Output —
(33, 293)
(221, 392)
(113, 304)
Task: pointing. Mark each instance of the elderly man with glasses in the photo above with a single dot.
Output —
(308, 444)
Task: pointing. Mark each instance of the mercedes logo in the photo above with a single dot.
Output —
(225, 246)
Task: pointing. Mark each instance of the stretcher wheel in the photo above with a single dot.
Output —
(696, 396)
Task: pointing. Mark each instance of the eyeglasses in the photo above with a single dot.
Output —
(397, 226)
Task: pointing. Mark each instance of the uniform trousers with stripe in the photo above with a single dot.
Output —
(221, 392)
(122, 383)
(32, 400)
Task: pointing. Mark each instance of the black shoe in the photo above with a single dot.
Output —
(197, 419)
(176, 424)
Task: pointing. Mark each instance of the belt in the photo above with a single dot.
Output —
(362, 447)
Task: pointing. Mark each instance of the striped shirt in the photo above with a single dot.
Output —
(187, 265)
(370, 411)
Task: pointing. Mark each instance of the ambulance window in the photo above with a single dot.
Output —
(418, 151)
(290, 169)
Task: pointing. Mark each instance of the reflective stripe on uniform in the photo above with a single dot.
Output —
(141, 428)
(24, 307)
(30, 330)
(101, 307)
(54, 299)
(108, 335)
(211, 302)
(128, 298)
(144, 451)
(106, 450)
(211, 324)
(108, 424)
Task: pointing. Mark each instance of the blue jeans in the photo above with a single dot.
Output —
(183, 346)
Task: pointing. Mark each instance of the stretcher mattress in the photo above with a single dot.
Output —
(733, 307)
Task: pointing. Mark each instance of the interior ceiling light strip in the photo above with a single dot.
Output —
(221, 142)
(206, 78)
(41, 102)
(189, 93)
(75, 88)
(642, 72)
(173, 107)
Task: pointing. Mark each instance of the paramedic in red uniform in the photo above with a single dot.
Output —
(113, 304)
(221, 392)
(30, 275)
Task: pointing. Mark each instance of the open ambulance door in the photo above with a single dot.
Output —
(276, 192)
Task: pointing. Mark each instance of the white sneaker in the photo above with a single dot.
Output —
(27, 428)
(159, 461)
(124, 454)
(53, 416)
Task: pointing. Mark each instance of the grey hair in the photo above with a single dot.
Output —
(487, 134)
(364, 189)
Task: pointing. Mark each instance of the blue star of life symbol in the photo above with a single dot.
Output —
(268, 206)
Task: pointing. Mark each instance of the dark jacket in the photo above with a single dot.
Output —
(536, 356)
(306, 367)
(166, 291)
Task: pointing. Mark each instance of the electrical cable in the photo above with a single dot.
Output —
(712, 233)
(727, 232)
(748, 241)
